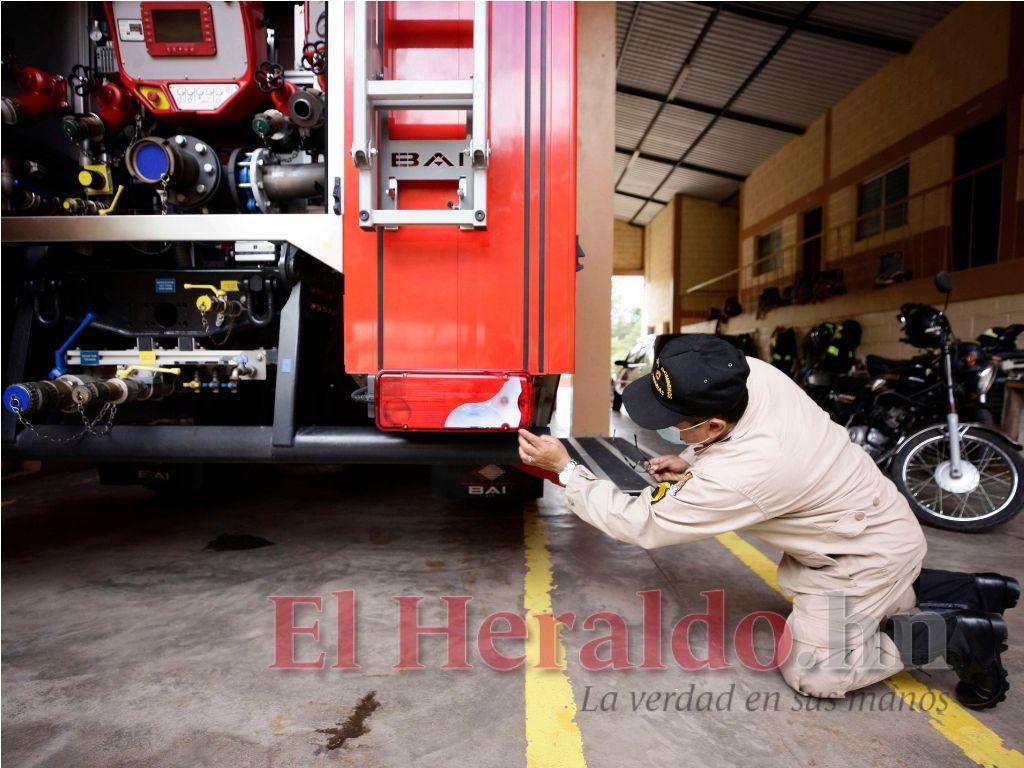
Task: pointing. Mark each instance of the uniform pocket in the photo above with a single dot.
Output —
(849, 525)
(815, 559)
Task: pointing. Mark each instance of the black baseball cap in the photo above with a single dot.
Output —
(695, 377)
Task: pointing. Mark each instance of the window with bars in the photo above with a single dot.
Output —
(769, 246)
(882, 201)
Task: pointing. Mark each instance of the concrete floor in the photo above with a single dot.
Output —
(126, 643)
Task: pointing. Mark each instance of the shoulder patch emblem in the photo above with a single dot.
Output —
(681, 482)
(659, 493)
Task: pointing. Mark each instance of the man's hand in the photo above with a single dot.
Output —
(666, 468)
(542, 451)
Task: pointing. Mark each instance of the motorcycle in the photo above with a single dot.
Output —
(924, 421)
(1001, 343)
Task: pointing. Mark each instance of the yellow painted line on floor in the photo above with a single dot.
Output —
(753, 559)
(553, 739)
(979, 743)
(8, 501)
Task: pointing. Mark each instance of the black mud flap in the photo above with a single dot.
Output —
(612, 459)
(485, 483)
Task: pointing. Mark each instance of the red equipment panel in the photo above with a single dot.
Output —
(495, 299)
(191, 62)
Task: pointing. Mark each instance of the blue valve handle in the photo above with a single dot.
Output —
(60, 363)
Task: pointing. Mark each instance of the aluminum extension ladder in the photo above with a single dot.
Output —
(382, 163)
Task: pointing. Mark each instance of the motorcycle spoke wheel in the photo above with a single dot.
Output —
(995, 489)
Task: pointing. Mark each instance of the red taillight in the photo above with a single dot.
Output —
(453, 401)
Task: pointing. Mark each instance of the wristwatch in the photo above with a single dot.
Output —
(567, 470)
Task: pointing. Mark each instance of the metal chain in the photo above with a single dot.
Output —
(162, 193)
(209, 336)
(104, 420)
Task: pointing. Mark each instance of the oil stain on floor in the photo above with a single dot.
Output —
(355, 725)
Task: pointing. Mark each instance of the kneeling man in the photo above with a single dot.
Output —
(760, 456)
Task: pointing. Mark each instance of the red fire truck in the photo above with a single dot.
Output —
(284, 231)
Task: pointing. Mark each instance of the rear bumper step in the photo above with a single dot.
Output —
(609, 460)
(342, 445)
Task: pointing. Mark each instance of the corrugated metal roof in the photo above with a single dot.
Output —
(683, 180)
(730, 52)
(620, 163)
(697, 184)
(674, 132)
(662, 36)
(632, 116)
(626, 207)
(623, 13)
(785, 91)
(644, 177)
(808, 74)
(737, 147)
(648, 212)
(778, 7)
(905, 20)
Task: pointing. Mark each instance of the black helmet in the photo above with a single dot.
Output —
(1000, 339)
(819, 337)
(923, 325)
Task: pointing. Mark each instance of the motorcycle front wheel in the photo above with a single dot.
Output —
(989, 491)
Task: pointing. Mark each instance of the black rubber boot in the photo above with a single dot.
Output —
(986, 592)
(975, 641)
(998, 593)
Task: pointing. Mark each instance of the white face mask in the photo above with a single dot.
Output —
(672, 434)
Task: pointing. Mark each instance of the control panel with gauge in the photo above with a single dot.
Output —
(192, 62)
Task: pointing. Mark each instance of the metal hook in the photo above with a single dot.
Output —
(636, 466)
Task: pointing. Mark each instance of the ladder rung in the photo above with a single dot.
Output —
(425, 217)
(422, 94)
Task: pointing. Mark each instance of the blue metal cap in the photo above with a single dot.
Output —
(151, 162)
(17, 396)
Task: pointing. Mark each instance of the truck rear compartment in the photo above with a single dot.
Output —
(393, 256)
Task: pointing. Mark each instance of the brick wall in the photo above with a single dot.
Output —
(658, 255)
(931, 165)
(708, 236)
(1020, 158)
(628, 249)
(797, 169)
(963, 55)
(787, 258)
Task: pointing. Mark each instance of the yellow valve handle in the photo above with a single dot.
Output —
(113, 203)
(220, 294)
(127, 372)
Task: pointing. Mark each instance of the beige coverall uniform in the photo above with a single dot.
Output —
(790, 476)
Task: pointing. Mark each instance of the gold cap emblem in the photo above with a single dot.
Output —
(661, 381)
